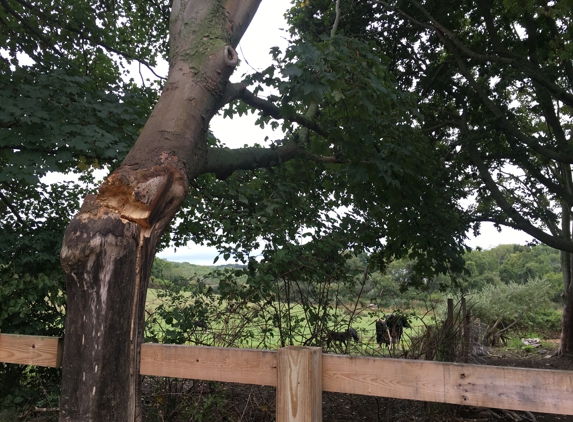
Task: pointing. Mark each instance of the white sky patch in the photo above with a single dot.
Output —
(53, 177)
(489, 237)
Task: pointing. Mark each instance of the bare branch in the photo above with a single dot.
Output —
(336, 20)
(12, 209)
(240, 91)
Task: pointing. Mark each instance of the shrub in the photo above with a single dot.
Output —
(512, 306)
(32, 306)
(546, 321)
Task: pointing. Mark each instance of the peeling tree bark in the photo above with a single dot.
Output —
(110, 244)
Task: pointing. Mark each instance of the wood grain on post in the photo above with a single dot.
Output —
(299, 384)
(31, 350)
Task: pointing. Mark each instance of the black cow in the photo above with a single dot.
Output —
(390, 330)
(201, 324)
(341, 336)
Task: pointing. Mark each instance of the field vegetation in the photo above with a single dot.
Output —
(512, 289)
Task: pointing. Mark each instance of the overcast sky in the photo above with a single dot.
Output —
(268, 30)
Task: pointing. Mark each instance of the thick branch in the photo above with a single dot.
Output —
(224, 161)
(521, 223)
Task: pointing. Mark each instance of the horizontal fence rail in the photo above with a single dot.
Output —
(244, 366)
(31, 350)
(535, 390)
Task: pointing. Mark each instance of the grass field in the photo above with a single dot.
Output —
(257, 326)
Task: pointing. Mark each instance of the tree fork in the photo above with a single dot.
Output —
(109, 246)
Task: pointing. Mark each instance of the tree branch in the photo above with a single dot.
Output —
(336, 20)
(12, 209)
(84, 36)
(504, 56)
(520, 222)
(489, 24)
(224, 161)
(500, 115)
(555, 33)
(552, 187)
(24, 22)
(240, 91)
(543, 96)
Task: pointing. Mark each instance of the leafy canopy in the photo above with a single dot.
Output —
(366, 180)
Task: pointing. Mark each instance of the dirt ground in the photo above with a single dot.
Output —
(257, 404)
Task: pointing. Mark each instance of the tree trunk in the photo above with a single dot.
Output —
(566, 343)
(110, 244)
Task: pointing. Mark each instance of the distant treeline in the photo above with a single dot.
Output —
(165, 274)
(503, 264)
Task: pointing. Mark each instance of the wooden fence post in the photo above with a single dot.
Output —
(466, 330)
(299, 384)
(450, 332)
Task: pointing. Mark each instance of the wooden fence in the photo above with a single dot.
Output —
(300, 374)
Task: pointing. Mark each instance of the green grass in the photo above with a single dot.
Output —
(260, 331)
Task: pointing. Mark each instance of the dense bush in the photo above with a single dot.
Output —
(546, 322)
(32, 306)
(506, 307)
